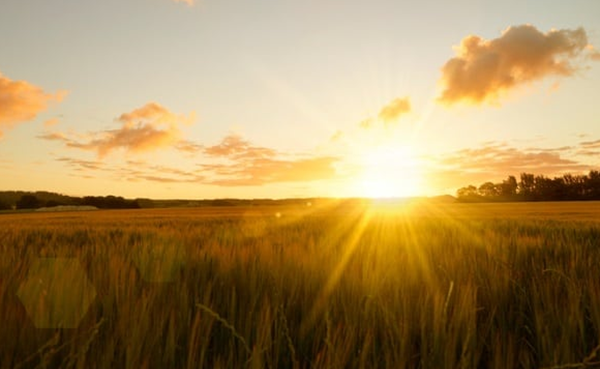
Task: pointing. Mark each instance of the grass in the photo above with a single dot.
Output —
(419, 286)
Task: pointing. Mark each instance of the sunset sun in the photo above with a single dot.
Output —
(390, 171)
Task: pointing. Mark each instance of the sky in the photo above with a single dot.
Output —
(277, 99)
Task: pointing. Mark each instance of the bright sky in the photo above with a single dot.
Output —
(257, 98)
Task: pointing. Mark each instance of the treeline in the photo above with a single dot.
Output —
(35, 200)
(110, 202)
(531, 187)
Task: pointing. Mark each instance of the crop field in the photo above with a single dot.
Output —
(332, 285)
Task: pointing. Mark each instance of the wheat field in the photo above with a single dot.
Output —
(332, 285)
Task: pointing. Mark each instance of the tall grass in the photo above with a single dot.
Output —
(454, 286)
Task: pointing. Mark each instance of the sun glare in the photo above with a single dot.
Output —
(390, 172)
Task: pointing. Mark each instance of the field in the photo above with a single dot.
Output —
(317, 286)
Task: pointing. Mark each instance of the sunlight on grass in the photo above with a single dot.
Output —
(356, 284)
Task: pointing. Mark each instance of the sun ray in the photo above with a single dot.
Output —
(349, 232)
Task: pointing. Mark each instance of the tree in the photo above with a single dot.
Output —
(527, 185)
(4, 206)
(28, 202)
(536, 188)
(508, 188)
(489, 190)
(592, 185)
(468, 193)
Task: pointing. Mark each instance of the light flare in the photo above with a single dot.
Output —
(390, 171)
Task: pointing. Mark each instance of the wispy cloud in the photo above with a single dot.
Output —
(21, 101)
(495, 160)
(260, 171)
(389, 114)
(590, 144)
(235, 147)
(589, 148)
(51, 122)
(148, 128)
(83, 165)
(232, 162)
(250, 165)
(394, 110)
(189, 146)
(484, 70)
(189, 2)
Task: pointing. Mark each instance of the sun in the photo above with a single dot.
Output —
(390, 171)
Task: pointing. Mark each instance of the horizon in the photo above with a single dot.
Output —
(168, 99)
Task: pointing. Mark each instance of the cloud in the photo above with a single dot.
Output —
(389, 114)
(189, 146)
(82, 165)
(233, 162)
(484, 70)
(20, 101)
(51, 122)
(589, 148)
(133, 171)
(336, 136)
(148, 128)
(494, 161)
(394, 110)
(250, 165)
(55, 136)
(590, 144)
(593, 54)
(260, 171)
(235, 147)
(189, 2)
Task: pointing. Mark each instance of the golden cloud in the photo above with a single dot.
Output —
(260, 171)
(494, 161)
(20, 101)
(148, 128)
(51, 122)
(484, 70)
(394, 110)
(235, 147)
(233, 162)
(189, 2)
(251, 165)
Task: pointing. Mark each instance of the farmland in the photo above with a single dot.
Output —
(329, 285)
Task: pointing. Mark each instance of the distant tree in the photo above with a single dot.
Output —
(4, 205)
(592, 185)
(489, 190)
(52, 203)
(508, 188)
(110, 202)
(468, 193)
(527, 186)
(28, 202)
(536, 188)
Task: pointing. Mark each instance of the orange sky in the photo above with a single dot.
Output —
(184, 99)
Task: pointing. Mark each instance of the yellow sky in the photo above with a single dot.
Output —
(180, 99)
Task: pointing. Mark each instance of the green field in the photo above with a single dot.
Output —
(323, 286)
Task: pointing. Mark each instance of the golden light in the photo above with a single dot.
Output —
(390, 171)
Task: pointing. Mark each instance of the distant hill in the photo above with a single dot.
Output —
(442, 199)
